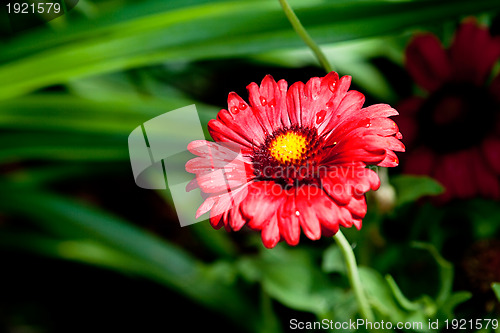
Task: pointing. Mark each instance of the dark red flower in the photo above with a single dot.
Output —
(293, 158)
(453, 132)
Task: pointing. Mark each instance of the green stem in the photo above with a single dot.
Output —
(345, 247)
(353, 274)
(301, 31)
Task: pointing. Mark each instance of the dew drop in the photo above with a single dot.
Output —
(235, 110)
(263, 101)
(297, 213)
(332, 86)
(320, 116)
(272, 103)
(243, 106)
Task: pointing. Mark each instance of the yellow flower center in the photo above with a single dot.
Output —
(288, 147)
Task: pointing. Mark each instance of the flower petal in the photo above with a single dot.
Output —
(421, 161)
(305, 205)
(295, 97)
(264, 198)
(288, 220)
(263, 100)
(243, 119)
(357, 207)
(491, 151)
(236, 220)
(427, 62)
(342, 183)
(390, 160)
(226, 201)
(271, 232)
(473, 53)
(221, 166)
(487, 181)
(348, 108)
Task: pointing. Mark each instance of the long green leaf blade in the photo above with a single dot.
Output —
(209, 30)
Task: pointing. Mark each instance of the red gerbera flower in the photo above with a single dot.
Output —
(293, 159)
(454, 131)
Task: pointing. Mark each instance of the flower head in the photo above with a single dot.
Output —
(454, 130)
(293, 159)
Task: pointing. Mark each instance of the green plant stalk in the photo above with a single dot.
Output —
(301, 31)
(353, 275)
(345, 247)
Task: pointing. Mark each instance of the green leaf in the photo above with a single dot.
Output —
(453, 301)
(496, 288)
(446, 272)
(113, 115)
(380, 295)
(270, 321)
(410, 188)
(352, 57)
(153, 32)
(385, 297)
(291, 277)
(96, 237)
(400, 297)
(485, 215)
(64, 127)
(82, 250)
(43, 175)
(333, 262)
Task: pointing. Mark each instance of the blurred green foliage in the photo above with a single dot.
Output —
(72, 91)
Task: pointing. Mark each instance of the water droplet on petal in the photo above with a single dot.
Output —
(235, 110)
(263, 101)
(297, 213)
(331, 86)
(272, 103)
(320, 116)
(243, 106)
